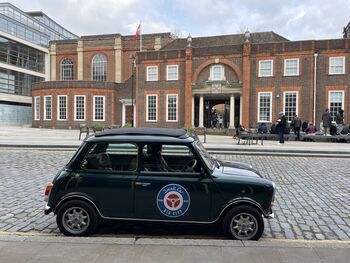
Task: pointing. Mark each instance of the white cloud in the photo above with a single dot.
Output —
(293, 19)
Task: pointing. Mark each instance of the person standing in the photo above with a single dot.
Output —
(339, 120)
(327, 122)
(281, 126)
(297, 125)
(304, 125)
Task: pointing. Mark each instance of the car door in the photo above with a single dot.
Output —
(109, 186)
(174, 194)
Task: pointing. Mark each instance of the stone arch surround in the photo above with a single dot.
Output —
(232, 65)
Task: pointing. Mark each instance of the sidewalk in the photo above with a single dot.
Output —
(24, 248)
(68, 139)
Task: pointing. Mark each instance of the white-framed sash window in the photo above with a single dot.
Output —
(291, 67)
(265, 68)
(290, 102)
(152, 73)
(171, 107)
(62, 107)
(217, 72)
(264, 106)
(99, 108)
(151, 107)
(47, 108)
(172, 72)
(79, 108)
(335, 102)
(37, 108)
(336, 65)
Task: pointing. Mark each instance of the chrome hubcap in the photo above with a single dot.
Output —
(244, 226)
(76, 220)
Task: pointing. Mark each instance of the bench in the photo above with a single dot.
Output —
(322, 138)
(250, 137)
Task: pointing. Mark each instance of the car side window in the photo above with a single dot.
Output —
(168, 158)
(111, 157)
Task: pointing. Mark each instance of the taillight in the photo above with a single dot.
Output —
(48, 191)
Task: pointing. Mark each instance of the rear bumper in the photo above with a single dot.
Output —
(47, 210)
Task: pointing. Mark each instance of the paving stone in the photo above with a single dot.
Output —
(309, 203)
(320, 236)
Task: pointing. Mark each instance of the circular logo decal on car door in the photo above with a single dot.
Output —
(173, 200)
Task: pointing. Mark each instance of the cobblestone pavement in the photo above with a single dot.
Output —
(313, 196)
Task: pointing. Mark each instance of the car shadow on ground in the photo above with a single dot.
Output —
(173, 230)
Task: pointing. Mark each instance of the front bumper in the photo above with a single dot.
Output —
(47, 209)
(270, 214)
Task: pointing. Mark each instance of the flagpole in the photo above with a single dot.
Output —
(140, 36)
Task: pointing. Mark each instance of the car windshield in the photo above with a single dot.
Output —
(209, 161)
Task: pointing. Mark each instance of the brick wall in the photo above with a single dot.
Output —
(112, 93)
(247, 72)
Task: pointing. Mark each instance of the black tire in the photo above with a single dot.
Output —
(76, 218)
(243, 223)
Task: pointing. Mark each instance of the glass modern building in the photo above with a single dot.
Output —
(24, 59)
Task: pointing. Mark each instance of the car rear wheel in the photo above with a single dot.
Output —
(76, 218)
(243, 223)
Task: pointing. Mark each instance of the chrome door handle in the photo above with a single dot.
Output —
(142, 184)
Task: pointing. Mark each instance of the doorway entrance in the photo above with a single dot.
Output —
(216, 112)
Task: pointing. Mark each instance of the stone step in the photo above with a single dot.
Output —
(216, 131)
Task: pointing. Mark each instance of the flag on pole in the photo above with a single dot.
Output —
(138, 33)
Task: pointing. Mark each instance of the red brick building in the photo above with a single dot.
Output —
(247, 78)
(91, 81)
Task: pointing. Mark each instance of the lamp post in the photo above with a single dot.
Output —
(133, 66)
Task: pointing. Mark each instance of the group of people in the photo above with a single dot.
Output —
(216, 120)
(326, 126)
(329, 128)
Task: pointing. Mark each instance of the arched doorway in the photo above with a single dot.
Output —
(215, 111)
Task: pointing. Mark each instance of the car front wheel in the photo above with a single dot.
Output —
(243, 223)
(76, 218)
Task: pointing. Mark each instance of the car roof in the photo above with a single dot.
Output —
(142, 134)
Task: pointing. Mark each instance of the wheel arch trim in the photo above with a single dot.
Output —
(75, 197)
(242, 201)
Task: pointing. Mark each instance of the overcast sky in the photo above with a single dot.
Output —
(293, 19)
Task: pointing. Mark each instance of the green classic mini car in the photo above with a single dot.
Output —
(159, 175)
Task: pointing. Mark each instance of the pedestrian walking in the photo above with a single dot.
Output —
(297, 126)
(281, 126)
(327, 122)
(339, 120)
